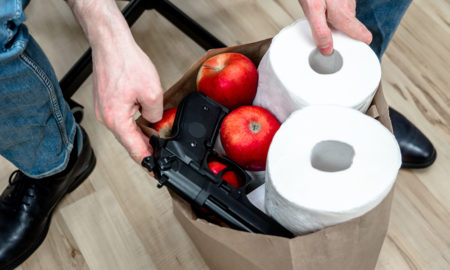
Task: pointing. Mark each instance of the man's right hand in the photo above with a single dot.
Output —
(339, 14)
(125, 79)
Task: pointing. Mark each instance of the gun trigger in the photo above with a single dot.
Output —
(162, 181)
(166, 163)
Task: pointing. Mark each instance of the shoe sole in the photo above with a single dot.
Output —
(406, 165)
(80, 179)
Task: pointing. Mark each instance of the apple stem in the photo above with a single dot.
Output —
(254, 127)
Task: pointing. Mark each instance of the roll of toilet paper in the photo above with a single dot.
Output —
(293, 74)
(327, 165)
(257, 197)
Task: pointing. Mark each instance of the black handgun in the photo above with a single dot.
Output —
(181, 163)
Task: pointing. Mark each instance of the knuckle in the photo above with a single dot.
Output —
(156, 95)
(312, 7)
(316, 6)
(153, 97)
(109, 121)
(322, 35)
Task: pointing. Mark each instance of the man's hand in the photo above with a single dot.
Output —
(339, 14)
(125, 80)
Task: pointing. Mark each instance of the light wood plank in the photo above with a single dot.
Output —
(104, 234)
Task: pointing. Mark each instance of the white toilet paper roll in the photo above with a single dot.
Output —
(257, 197)
(218, 146)
(293, 74)
(327, 165)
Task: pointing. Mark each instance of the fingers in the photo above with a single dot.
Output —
(151, 104)
(134, 140)
(120, 121)
(338, 13)
(322, 34)
(315, 12)
(353, 28)
(117, 111)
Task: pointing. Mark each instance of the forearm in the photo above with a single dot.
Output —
(125, 79)
(103, 24)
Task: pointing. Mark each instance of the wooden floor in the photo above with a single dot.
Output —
(118, 219)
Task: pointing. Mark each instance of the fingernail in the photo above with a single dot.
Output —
(327, 50)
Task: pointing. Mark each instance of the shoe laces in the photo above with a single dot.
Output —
(12, 177)
(21, 186)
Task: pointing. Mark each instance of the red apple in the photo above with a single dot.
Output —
(164, 126)
(228, 78)
(230, 177)
(246, 134)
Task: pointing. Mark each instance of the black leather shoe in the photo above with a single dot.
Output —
(417, 151)
(26, 206)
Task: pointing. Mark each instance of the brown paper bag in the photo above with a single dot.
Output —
(354, 244)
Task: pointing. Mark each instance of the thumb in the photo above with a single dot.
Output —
(134, 140)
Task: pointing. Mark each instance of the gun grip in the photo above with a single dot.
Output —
(196, 126)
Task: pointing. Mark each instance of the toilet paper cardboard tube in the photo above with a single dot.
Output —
(181, 163)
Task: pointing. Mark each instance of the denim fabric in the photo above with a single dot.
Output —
(13, 38)
(382, 18)
(37, 128)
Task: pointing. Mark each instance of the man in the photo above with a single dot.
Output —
(52, 152)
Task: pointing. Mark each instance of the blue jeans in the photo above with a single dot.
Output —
(37, 129)
(382, 18)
